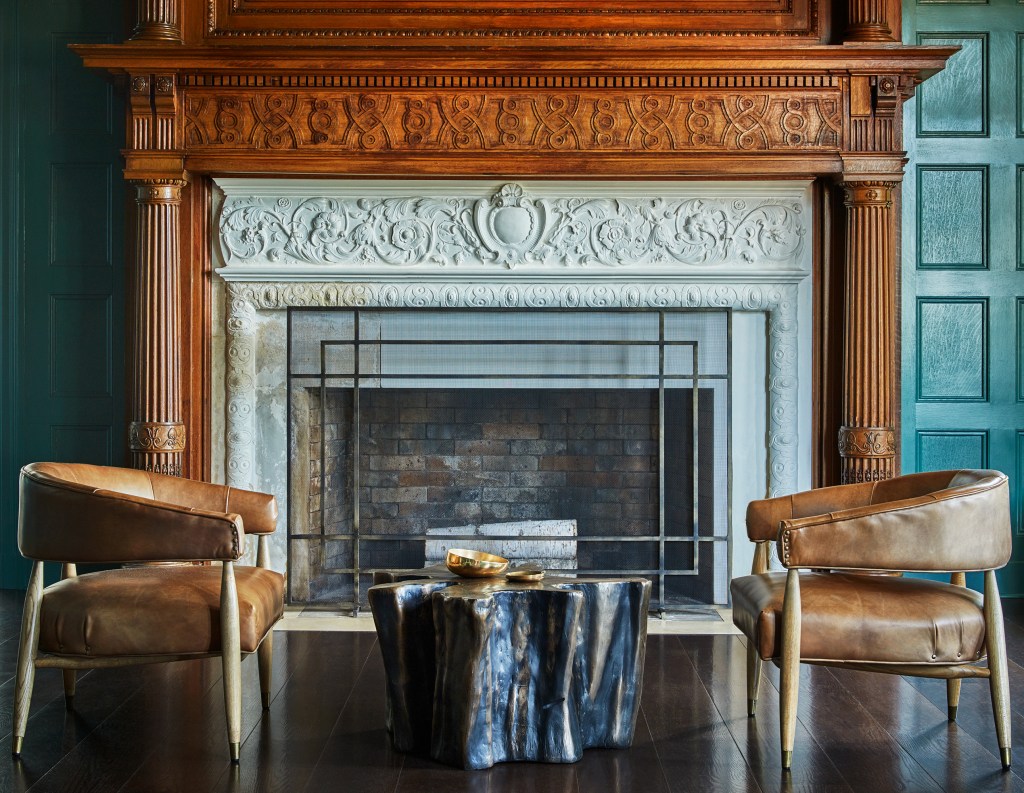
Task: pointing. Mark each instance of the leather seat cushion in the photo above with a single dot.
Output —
(851, 617)
(155, 611)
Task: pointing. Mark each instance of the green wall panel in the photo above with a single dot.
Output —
(952, 355)
(85, 444)
(80, 214)
(80, 339)
(944, 451)
(952, 220)
(955, 101)
(82, 100)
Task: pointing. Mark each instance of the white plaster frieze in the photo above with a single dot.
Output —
(701, 232)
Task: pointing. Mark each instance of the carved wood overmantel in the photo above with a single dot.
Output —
(660, 89)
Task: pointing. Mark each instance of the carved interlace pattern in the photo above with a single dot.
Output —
(509, 229)
(867, 442)
(515, 120)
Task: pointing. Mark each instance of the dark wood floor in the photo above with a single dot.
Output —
(162, 728)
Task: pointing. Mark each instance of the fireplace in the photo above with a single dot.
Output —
(483, 374)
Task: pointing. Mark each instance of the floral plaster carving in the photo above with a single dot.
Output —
(510, 229)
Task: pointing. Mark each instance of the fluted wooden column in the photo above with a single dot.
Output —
(158, 20)
(156, 433)
(869, 21)
(867, 439)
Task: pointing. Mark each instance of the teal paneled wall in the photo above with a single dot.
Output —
(963, 250)
(62, 208)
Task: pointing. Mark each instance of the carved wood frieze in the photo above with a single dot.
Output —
(535, 121)
(511, 228)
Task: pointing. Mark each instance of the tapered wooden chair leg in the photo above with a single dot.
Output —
(999, 681)
(265, 657)
(953, 697)
(753, 677)
(70, 679)
(27, 649)
(232, 658)
(790, 667)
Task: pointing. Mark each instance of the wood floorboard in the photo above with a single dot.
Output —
(358, 749)
(695, 747)
(161, 728)
(721, 663)
(950, 754)
(866, 755)
(282, 751)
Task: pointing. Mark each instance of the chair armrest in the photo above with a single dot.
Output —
(944, 532)
(765, 515)
(68, 522)
(258, 510)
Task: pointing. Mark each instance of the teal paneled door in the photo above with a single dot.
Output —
(64, 328)
(963, 250)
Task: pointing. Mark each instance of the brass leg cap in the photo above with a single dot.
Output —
(265, 695)
(952, 712)
(1004, 755)
(787, 760)
(16, 745)
(751, 706)
(234, 752)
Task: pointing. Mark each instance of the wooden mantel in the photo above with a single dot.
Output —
(662, 89)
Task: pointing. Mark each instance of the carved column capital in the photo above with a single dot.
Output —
(156, 436)
(158, 190)
(868, 193)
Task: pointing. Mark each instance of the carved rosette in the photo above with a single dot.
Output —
(156, 432)
(867, 439)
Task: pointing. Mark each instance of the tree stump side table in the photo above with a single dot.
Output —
(489, 671)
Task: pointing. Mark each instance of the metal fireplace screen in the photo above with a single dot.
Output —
(404, 422)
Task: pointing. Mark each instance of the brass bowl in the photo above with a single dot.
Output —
(474, 564)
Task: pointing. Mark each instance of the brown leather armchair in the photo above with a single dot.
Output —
(147, 614)
(824, 610)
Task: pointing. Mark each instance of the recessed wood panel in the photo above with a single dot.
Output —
(955, 101)
(80, 214)
(943, 451)
(80, 444)
(952, 217)
(80, 100)
(80, 346)
(316, 22)
(952, 349)
(1018, 217)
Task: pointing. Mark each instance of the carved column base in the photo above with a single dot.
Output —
(157, 446)
(868, 453)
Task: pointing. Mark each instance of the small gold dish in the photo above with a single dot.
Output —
(525, 574)
(475, 564)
